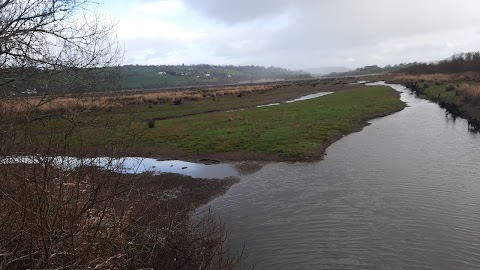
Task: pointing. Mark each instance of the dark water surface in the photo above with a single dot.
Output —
(404, 193)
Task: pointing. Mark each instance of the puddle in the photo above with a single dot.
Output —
(359, 82)
(307, 97)
(268, 105)
(197, 170)
(311, 96)
(132, 165)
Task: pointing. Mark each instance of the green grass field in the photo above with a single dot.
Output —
(288, 130)
(439, 93)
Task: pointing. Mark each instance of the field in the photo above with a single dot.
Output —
(207, 126)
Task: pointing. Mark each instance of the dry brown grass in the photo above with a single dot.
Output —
(52, 104)
(440, 77)
(57, 104)
(470, 92)
(168, 96)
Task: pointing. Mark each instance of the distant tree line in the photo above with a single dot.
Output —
(461, 62)
(374, 69)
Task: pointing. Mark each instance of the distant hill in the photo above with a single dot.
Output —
(142, 77)
(136, 77)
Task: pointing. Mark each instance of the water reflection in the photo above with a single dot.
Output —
(131, 165)
(218, 171)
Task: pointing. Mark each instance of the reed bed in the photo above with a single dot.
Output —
(470, 92)
(437, 77)
(57, 104)
(46, 105)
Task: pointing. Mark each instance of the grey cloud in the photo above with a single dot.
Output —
(147, 50)
(232, 12)
(310, 33)
(348, 21)
(411, 15)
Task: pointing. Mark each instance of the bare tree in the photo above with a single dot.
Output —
(53, 216)
(53, 45)
(49, 48)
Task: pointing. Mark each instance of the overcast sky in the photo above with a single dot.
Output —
(295, 34)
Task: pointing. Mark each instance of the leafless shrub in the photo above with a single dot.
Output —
(54, 46)
(55, 216)
(93, 218)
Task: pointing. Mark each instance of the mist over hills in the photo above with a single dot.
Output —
(157, 76)
(326, 70)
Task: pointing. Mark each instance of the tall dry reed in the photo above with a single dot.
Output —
(440, 77)
(470, 92)
(54, 104)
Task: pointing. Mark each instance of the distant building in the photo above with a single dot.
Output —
(207, 75)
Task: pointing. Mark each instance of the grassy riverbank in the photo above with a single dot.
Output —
(294, 131)
(459, 96)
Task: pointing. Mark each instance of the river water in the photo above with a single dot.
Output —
(404, 193)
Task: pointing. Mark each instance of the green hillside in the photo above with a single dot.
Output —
(138, 77)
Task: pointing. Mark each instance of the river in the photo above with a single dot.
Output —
(404, 193)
